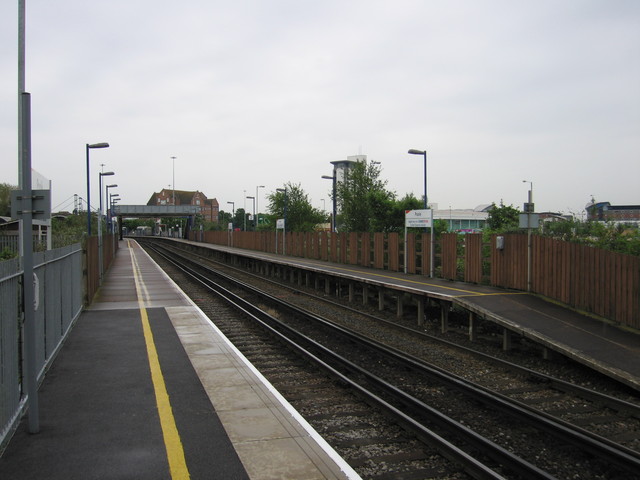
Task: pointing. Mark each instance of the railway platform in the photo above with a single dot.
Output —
(146, 387)
(602, 346)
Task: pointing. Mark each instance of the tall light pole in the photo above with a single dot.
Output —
(413, 151)
(233, 211)
(108, 205)
(89, 147)
(100, 246)
(334, 180)
(529, 209)
(174, 179)
(257, 209)
(254, 210)
(284, 230)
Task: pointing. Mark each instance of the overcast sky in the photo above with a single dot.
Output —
(263, 92)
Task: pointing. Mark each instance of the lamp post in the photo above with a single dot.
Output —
(529, 209)
(174, 179)
(413, 151)
(113, 198)
(333, 178)
(89, 147)
(284, 229)
(100, 247)
(257, 209)
(233, 211)
(254, 210)
(108, 205)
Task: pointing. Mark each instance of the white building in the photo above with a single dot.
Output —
(463, 220)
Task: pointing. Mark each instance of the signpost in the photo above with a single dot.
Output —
(419, 219)
(280, 225)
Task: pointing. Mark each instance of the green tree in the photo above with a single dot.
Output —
(394, 220)
(5, 199)
(503, 218)
(300, 217)
(364, 203)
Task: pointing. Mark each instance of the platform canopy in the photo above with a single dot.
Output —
(155, 210)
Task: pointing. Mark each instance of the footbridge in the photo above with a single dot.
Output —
(154, 211)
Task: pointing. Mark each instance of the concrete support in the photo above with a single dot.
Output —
(473, 327)
(352, 292)
(327, 285)
(506, 340)
(420, 302)
(316, 282)
(444, 316)
(365, 294)
(547, 353)
(380, 299)
(307, 279)
(400, 305)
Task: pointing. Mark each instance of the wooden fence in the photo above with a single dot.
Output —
(92, 264)
(592, 280)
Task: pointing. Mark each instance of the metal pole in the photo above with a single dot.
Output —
(174, 179)
(31, 367)
(88, 196)
(425, 179)
(529, 246)
(100, 254)
(21, 84)
(335, 201)
(426, 203)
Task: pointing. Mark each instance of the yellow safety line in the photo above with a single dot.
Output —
(479, 294)
(172, 442)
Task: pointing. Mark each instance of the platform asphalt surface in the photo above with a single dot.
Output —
(98, 413)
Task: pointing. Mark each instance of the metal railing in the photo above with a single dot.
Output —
(58, 281)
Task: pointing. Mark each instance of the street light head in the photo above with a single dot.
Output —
(252, 198)
(106, 174)
(327, 177)
(112, 186)
(260, 186)
(98, 145)
(281, 189)
(413, 151)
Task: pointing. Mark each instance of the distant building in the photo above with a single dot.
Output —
(462, 220)
(209, 208)
(605, 212)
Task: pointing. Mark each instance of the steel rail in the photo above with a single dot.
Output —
(473, 466)
(595, 444)
(562, 385)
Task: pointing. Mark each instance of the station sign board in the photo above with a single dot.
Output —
(418, 218)
(280, 223)
(529, 220)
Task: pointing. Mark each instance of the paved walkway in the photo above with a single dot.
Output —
(147, 388)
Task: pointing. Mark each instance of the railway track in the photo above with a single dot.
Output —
(503, 436)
